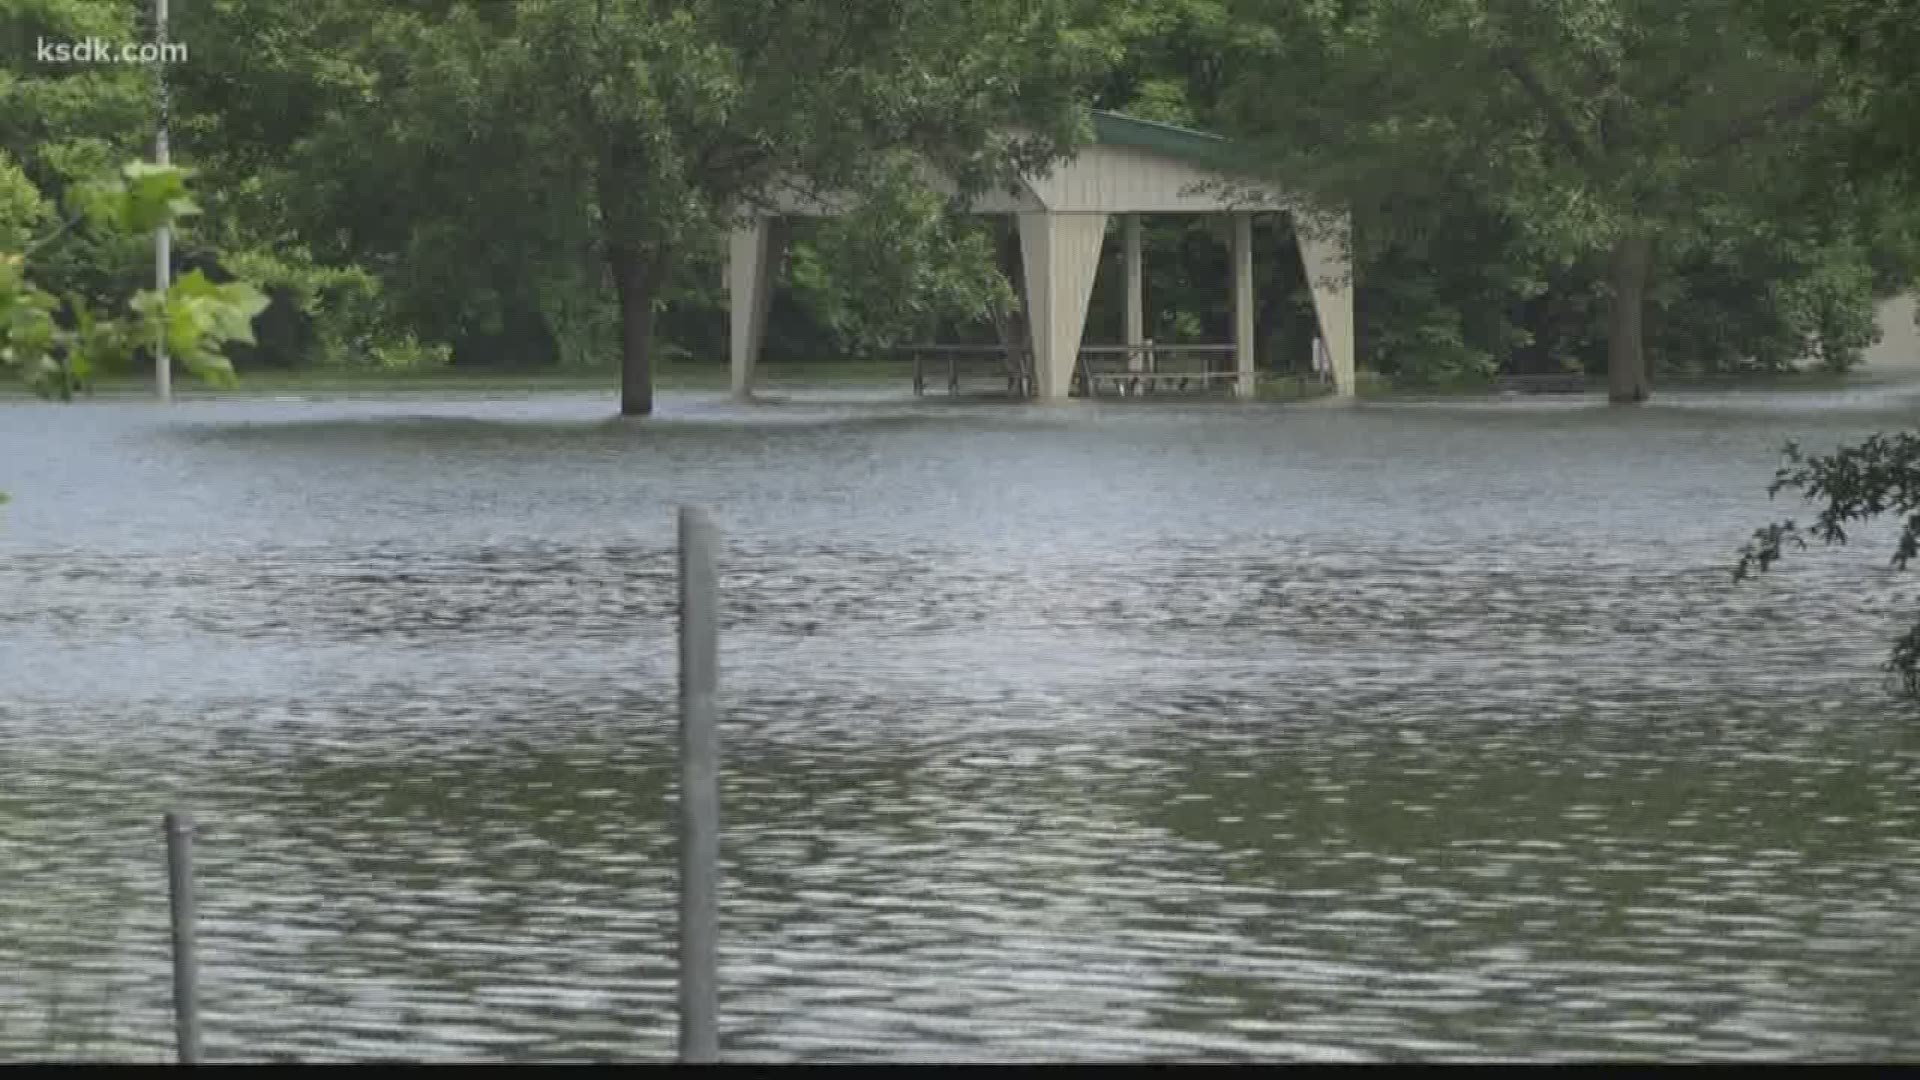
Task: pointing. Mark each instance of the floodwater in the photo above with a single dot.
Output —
(1112, 730)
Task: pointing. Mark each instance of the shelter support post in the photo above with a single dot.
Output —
(754, 250)
(1136, 296)
(1325, 254)
(1060, 254)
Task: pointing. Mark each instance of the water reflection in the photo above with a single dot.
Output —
(1424, 731)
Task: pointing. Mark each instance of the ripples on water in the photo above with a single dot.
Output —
(1107, 732)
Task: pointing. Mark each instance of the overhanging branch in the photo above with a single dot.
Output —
(1557, 116)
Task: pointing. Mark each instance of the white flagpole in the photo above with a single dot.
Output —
(163, 236)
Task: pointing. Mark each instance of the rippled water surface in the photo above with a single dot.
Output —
(1100, 731)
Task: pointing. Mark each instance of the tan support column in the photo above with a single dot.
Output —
(1136, 293)
(752, 253)
(1324, 242)
(1061, 254)
(1243, 304)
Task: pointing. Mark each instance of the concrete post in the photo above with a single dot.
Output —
(699, 788)
(753, 250)
(186, 967)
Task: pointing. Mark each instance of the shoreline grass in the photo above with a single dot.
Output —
(838, 374)
(1376, 387)
(845, 373)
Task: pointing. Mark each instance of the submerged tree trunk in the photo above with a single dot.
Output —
(1627, 382)
(636, 279)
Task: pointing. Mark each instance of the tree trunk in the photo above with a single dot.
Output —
(636, 279)
(1627, 382)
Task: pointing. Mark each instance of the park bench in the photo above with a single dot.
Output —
(1131, 370)
(957, 363)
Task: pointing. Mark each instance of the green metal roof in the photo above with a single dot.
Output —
(1185, 144)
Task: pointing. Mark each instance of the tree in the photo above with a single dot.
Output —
(1603, 130)
(66, 124)
(683, 114)
(76, 225)
(900, 267)
(519, 140)
(1868, 54)
(329, 190)
(61, 344)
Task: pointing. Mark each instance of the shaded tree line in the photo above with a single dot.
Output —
(1627, 187)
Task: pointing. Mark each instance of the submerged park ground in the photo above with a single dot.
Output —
(1420, 728)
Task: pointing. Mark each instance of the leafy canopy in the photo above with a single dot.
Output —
(60, 345)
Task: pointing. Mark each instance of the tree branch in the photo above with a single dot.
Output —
(1778, 112)
(51, 237)
(1674, 91)
(1605, 78)
(735, 170)
(1557, 116)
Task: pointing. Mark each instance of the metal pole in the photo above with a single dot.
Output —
(699, 789)
(163, 236)
(186, 975)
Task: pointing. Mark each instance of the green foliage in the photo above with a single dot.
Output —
(581, 313)
(22, 210)
(1444, 304)
(458, 177)
(1853, 485)
(273, 110)
(411, 354)
(1868, 54)
(198, 318)
(140, 200)
(1764, 302)
(684, 116)
(1577, 126)
(1482, 219)
(901, 265)
(497, 166)
(64, 125)
(61, 345)
(342, 317)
